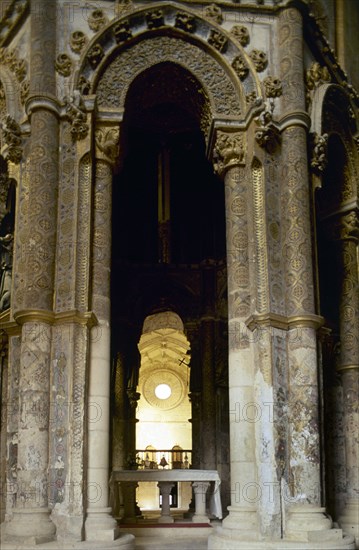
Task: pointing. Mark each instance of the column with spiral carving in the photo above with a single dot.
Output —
(100, 525)
(33, 284)
(349, 366)
(229, 156)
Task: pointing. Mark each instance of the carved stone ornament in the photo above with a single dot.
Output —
(259, 59)
(97, 20)
(154, 19)
(315, 76)
(122, 31)
(84, 85)
(267, 135)
(95, 55)
(272, 86)
(12, 136)
(17, 66)
(63, 64)
(24, 91)
(78, 40)
(123, 6)
(185, 22)
(218, 41)
(240, 67)
(214, 13)
(5, 183)
(347, 226)
(319, 153)
(75, 110)
(133, 397)
(229, 151)
(241, 34)
(107, 142)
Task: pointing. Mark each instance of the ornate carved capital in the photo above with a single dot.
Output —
(314, 76)
(319, 153)
(107, 143)
(229, 151)
(75, 109)
(347, 227)
(12, 136)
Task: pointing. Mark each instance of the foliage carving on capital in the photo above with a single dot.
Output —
(347, 227)
(214, 13)
(63, 64)
(75, 109)
(229, 151)
(12, 136)
(319, 153)
(218, 40)
(240, 33)
(97, 20)
(314, 77)
(185, 22)
(107, 143)
(78, 41)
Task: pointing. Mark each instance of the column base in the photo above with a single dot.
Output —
(349, 520)
(165, 519)
(198, 518)
(100, 525)
(32, 524)
(242, 520)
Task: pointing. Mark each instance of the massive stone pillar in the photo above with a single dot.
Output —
(100, 525)
(32, 303)
(349, 367)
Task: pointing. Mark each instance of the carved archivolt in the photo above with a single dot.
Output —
(118, 66)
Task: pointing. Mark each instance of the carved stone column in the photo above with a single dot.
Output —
(99, 524)
(32, 300)
(349, 367)
(242, 519)
(304, 513)
(165, 488)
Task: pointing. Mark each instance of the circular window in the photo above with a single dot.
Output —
(163, 391)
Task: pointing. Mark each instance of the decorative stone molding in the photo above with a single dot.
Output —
(185, 22)
(107, 142)
(272, 86)
(214, 13)
(122, 31)
(284, 323)
(218, 40)
(75, 109)
(259, 59)
(78, 41)
(12, 137)
(229, 151)
(240, 33)
(63, 64)
(240, 67)
(86, 318)
(95, 55)
(97, 20)
(18, 67)
(154, 19)
(319, 153)
(267, 134)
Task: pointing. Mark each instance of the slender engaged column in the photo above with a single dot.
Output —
(349, 367)
(165, 488)
(100, 525)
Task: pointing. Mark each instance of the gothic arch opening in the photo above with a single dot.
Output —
(169, 256)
